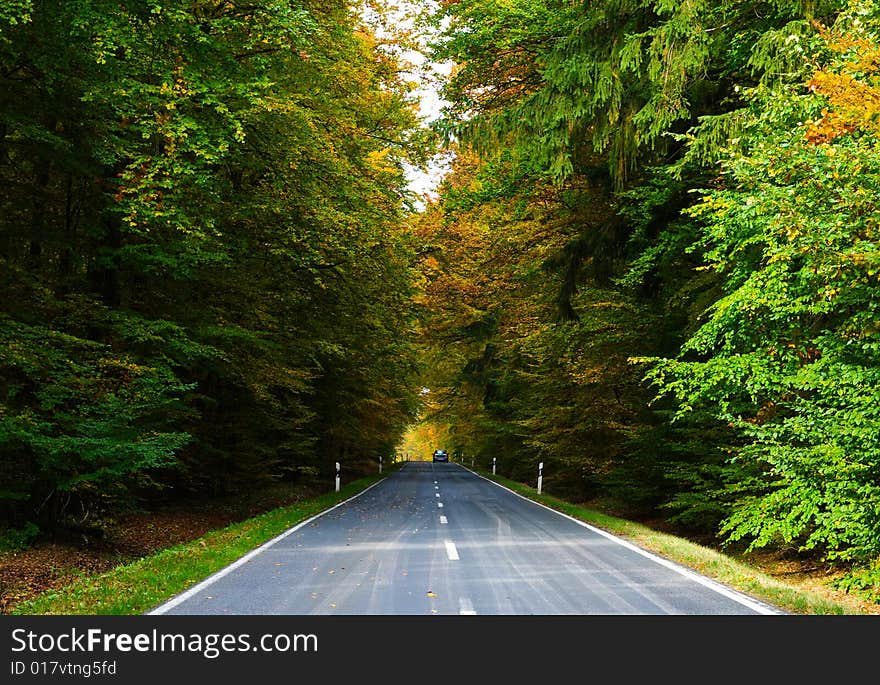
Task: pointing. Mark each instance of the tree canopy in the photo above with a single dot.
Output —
(654, 264)
(206, 281)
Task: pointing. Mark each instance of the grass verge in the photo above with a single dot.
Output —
(704, 560)
(137, 587)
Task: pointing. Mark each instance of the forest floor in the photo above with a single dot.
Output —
(788, 566)
(806, 574)
(51, 565)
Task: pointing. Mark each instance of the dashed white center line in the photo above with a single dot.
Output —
(465, 607)
(443, 520)
(440, 505)
(451, 551)
(436, 494)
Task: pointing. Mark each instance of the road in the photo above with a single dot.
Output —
(440, 539)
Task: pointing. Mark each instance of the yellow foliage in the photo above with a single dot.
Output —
(853, 93)
(381, 161)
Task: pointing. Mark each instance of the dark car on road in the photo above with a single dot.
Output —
(441, 455)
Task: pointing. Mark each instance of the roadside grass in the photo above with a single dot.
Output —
(141, 585)
(709, 562)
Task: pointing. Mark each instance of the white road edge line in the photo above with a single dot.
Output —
(198, 587)
(451, 551)
(688, 573)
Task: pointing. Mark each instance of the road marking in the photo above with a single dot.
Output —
(436, 494)
(451, 552)
(465, 607)
(440, 504)
(721, 589)
(195, 589)
(443, 520)
(436, 487)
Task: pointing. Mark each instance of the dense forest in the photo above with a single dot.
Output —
(652, 266)
(206, 282)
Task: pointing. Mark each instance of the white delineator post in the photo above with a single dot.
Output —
(540, 476)
(380, 464)
(493, 466)
(337, 476)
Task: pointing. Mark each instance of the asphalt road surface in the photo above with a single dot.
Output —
(439, 539)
